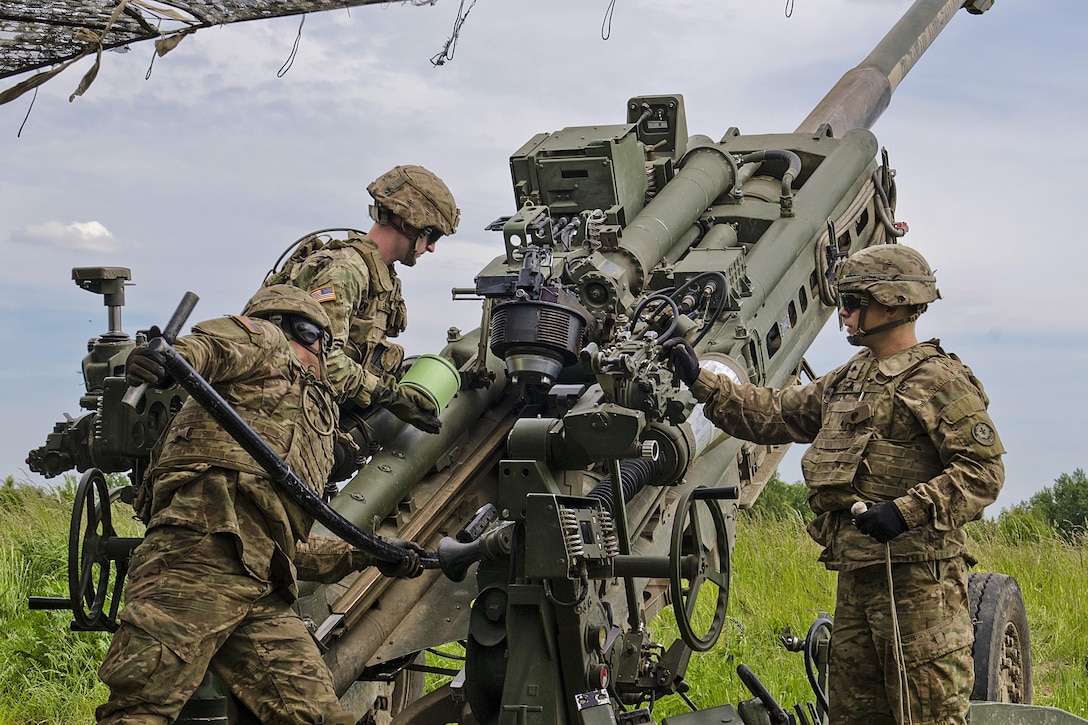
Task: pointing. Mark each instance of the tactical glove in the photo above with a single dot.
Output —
(146, 366)
(408, 568)
(407, 403)
(882, 521)
(685, 363)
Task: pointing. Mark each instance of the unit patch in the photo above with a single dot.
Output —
(984, 433)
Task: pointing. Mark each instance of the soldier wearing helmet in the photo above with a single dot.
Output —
(892, 275)
(211, 585)
(356, 283)
(900, 434)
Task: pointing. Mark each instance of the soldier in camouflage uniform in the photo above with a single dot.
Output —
(902, 427)
(356, 283)
(211, 585)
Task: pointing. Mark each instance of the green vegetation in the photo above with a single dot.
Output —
(47, 672)
(778, 583)
(1063, 506)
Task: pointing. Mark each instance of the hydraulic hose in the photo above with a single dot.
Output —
(285, 479)
(794, 161)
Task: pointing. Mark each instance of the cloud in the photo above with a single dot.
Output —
(89, 236)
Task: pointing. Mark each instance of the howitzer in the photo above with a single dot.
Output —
(614, 497)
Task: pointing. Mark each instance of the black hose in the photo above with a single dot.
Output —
(634, 474)
(794, 161)
(661, 299)
(281, 475)
(759, 690)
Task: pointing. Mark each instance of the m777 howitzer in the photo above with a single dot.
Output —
(575, 490)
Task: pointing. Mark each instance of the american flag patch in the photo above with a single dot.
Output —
(323, 294)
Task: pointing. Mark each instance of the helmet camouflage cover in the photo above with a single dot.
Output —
(418, 197)
(286, 299)
(892, 274)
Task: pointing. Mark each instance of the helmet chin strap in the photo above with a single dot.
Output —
(858, 338)
(409, 259)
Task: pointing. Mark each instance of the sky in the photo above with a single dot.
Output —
(197, 177)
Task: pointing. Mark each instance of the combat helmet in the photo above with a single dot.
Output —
(293, 309)
(418, 197)
(892, 274)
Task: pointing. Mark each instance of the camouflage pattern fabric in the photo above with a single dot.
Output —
(212, 583)
(252, 365)
(894, 274)
(418, 197)
(936, 634)
(362, 296)
(192, 606)
(911, 428)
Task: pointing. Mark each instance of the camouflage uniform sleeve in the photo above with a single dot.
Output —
(758, 414)
(340, 280)
(328, 559)
(953, 411)
(224, 349)
(350, 380)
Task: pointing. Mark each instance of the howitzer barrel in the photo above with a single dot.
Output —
(862, 94)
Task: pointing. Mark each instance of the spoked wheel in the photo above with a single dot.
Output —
(692, 563)
(97, 557)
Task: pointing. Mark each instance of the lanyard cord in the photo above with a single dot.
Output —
(897, 644)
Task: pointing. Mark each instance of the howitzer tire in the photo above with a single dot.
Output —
(1002, 650)
(695, 559)
(95, 602)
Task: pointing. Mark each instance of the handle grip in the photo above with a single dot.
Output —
(173, 326)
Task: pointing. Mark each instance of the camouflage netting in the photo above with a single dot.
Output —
(36, 34)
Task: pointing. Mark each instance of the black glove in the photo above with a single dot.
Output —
(146, 366)
(882, 521)
(685, 363)
(407, 403)
(408, 568)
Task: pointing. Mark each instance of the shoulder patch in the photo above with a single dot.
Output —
(984, 433)
(324, 294)
(248, 324)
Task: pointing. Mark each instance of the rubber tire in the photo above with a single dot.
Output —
(1002, 649)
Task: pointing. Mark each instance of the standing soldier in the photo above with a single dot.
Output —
(902, 431)
(357, 285)
(211, 585)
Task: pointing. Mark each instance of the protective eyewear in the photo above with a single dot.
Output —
(432, 234)
(849, 302)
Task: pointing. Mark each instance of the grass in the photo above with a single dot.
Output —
(48, 673)
(777, 583)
